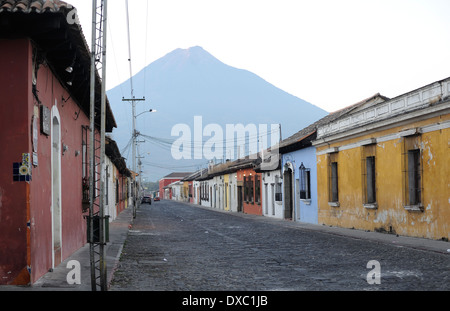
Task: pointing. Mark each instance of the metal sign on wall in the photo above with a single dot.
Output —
(45, 120)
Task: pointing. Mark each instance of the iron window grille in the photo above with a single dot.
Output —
(334, 190)
(278, 191)
(257, 189)
(251, 190)
(246, 190)
(414, 177)
(333, 179)
(368, 180)
(412, 167)
(305, 182)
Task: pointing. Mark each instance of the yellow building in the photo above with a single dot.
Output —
(185, 191)
(385, 165)
(226, 190)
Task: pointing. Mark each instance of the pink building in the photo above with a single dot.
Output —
(44, 107)
(167, 180)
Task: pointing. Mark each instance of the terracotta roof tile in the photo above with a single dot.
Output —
(297, 137)
(24, 18)
(178, 175)
(27, 6)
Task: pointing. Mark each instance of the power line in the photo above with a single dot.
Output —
(114, 54)
(127, 146)
(133, 102)
(145, 50)
(170, 166)
(129, 47)
(197, 144)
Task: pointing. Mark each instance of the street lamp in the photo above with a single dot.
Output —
(151, 110)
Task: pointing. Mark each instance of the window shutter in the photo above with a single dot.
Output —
(414, 176)
(334, 182)
(370, 177)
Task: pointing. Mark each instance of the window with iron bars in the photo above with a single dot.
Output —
(257, 189)
(412, 174)
(333, 178)
(414, 177)
(251, 190)
(278, 191)
(368, 169)
(305, 182)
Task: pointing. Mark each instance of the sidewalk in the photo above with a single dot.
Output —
(57, 279)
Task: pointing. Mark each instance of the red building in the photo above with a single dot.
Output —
(250, 187)
(167, 180)
(44, 107)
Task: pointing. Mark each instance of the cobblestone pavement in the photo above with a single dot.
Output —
(182, 247)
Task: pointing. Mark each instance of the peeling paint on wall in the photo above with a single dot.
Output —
(426, 150)
(390, 215)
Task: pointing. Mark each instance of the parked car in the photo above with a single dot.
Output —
(156, 199)
(146, 199)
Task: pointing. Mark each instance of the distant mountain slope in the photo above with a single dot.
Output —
(191, 82)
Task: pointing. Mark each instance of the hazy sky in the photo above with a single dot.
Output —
(329, 53)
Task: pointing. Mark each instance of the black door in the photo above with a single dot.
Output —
(240, 203)
(288, 204)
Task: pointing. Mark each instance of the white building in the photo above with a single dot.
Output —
(272, 205)
(118, 192)
(232, 190)
(177, 188)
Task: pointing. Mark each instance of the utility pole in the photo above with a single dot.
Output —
(140, 170)
(96, 219)
(133, 101)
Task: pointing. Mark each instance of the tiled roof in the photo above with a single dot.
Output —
(196, 174)
(113, 153)
(63, 43)
(230, 166)
(176, 175)
(38, 6)
(307, 131)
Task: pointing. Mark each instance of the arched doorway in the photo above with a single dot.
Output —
(56, 188)
(288, 191)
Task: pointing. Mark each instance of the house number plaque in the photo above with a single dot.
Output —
(45, 120)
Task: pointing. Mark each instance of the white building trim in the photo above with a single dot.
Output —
(395, 136)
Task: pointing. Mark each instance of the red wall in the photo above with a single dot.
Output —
(23, 202)
(165, 182)
(123, 196)
(250, 208)
(15, 67)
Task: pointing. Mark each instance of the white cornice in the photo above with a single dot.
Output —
(393, 136)
(398, 120)
(426, 100)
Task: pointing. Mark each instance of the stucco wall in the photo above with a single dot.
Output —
(270, 207)
(15, 115)
(390, 214)
(26, 230)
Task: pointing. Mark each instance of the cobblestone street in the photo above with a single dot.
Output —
(179, 247)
